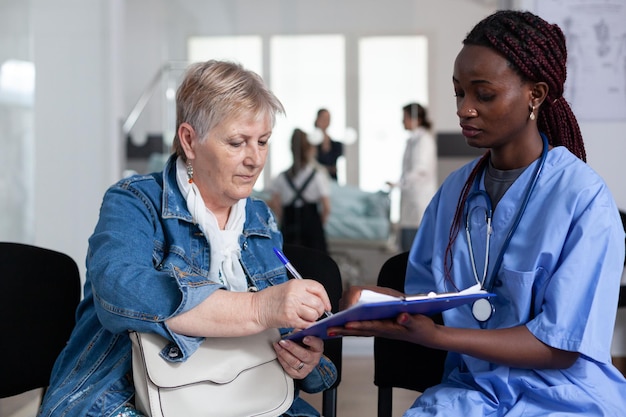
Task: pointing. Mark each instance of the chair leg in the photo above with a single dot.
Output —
(329, 403)
(385, 401)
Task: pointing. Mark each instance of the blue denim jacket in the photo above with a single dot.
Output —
(147, 262)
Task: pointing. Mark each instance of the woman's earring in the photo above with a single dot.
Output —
(532, 113)
(189, 172)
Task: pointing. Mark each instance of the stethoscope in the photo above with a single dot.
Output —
(483, 308)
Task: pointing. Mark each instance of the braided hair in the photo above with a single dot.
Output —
(536, 51)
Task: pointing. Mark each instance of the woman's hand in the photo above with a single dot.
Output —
(298, 360)
(295, 303)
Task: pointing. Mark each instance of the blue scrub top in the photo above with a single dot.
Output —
(560, 277)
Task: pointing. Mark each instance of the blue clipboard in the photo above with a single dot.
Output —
(386, 310)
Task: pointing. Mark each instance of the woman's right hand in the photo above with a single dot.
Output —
(295, 303)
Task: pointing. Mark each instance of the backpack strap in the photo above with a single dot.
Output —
(300, 190)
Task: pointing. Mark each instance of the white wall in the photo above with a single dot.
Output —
(76, 143)
(605, 143)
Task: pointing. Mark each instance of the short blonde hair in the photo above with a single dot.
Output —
(214, 91)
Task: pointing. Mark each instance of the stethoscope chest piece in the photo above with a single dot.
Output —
(482, 310)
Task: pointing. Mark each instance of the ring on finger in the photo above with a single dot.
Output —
(299, 367)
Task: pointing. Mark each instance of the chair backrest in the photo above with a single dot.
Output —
(39, 293)
(317, 265)
(399, 364)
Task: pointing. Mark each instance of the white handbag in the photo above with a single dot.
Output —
(226, 376)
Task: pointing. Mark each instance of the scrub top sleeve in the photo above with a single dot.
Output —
(577, 311)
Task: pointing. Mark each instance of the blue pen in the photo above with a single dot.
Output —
(293, 270)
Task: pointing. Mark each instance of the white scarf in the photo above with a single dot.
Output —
(225, 267)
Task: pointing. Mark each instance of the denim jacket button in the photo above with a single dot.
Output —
(174, 352)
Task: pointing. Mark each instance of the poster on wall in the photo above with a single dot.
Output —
(596, 45)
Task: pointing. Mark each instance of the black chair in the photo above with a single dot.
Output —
(399, 364)
(315, 264)
(39, 293)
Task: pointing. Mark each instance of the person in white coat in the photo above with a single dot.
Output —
(418, 182)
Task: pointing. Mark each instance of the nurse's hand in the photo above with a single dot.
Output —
(410, 328)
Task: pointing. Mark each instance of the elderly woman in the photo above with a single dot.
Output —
(187, 254)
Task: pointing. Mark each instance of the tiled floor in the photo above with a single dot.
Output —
(356, 395)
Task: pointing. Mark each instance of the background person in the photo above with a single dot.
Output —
(418, 182)
(544, 350)
(178, 253)
(301, 196)
(328, 151)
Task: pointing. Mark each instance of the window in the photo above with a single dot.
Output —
(306, 73)
(392, 73)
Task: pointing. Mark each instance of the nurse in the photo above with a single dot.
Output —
(553, 253)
